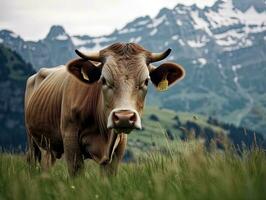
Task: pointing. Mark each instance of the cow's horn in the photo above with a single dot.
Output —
(94, 56)
(154, 57)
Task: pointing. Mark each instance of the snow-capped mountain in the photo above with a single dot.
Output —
(222, 48)
(57, 48)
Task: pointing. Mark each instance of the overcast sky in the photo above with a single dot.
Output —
(32, 18)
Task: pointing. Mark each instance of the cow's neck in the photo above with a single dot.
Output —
(100, 114)
(112, 138)
(88, 101)
(99, 142)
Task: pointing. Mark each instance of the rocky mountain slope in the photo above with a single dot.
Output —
(13, 75)
(222, 48)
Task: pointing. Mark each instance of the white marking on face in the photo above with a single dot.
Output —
(110, 121)
(124, 87)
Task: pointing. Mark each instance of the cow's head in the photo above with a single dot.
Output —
(124, 71)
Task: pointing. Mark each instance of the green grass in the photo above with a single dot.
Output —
(184, 171)
(153, 135)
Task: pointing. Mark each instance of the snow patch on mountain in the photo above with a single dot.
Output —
(195, 43)
(236, 67)
(227, 15)
(78, 42)
(179, 10)
(198, 42)
(136, 40)
(175, 37)
(181, 42)
(243, 43)
(61, 37)
(141, 23)
(236, 79)
(251, 16)
(200, 62)
(157, 21)
(153, 32)
(126, 30)
(14, 35)
(179, 22)
(200, 23)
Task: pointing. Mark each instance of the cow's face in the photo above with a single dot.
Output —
(124, 74)
(124, 86)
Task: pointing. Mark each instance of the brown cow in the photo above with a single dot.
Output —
(86, 110)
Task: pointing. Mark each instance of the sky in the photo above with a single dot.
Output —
(32, 19)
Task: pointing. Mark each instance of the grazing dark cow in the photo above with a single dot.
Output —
(86, 108)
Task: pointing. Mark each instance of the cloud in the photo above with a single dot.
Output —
(32, 19)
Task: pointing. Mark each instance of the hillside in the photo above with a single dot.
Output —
(163, 127)
(222, 48)
(13, 75)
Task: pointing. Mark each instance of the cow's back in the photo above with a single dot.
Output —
(55, 100)
(43, 99)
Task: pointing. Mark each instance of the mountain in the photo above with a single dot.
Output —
(222, 48)
(56, 48)
(13, 75)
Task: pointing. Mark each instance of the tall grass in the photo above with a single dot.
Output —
(184, 171)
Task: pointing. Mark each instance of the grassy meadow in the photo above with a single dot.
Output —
(185, 171)
(156, 123)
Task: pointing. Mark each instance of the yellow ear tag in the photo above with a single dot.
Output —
(163, 85)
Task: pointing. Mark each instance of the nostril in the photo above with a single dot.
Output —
(115, 118)
(133, 118)
(124, 119)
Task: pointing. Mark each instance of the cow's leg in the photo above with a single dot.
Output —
(73, 155)
(48, 160)
(112, 168)
(33, 153)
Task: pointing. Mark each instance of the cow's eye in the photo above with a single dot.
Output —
(146, 82)
(103, 81)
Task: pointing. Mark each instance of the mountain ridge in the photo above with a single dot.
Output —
(13, 75)
(222, 48)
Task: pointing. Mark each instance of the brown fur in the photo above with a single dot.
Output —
(65, 113)
(124, 49)
(61, 103)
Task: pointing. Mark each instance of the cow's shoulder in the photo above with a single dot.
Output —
(35, 81)
(45, 72)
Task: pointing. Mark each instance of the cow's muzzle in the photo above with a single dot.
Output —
(124, 120)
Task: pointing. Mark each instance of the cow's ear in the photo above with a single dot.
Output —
(84, 70)
(166, 75)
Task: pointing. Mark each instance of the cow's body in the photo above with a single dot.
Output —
(73, 110)
(55, 102)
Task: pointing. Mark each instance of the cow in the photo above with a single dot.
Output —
(86, 108)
